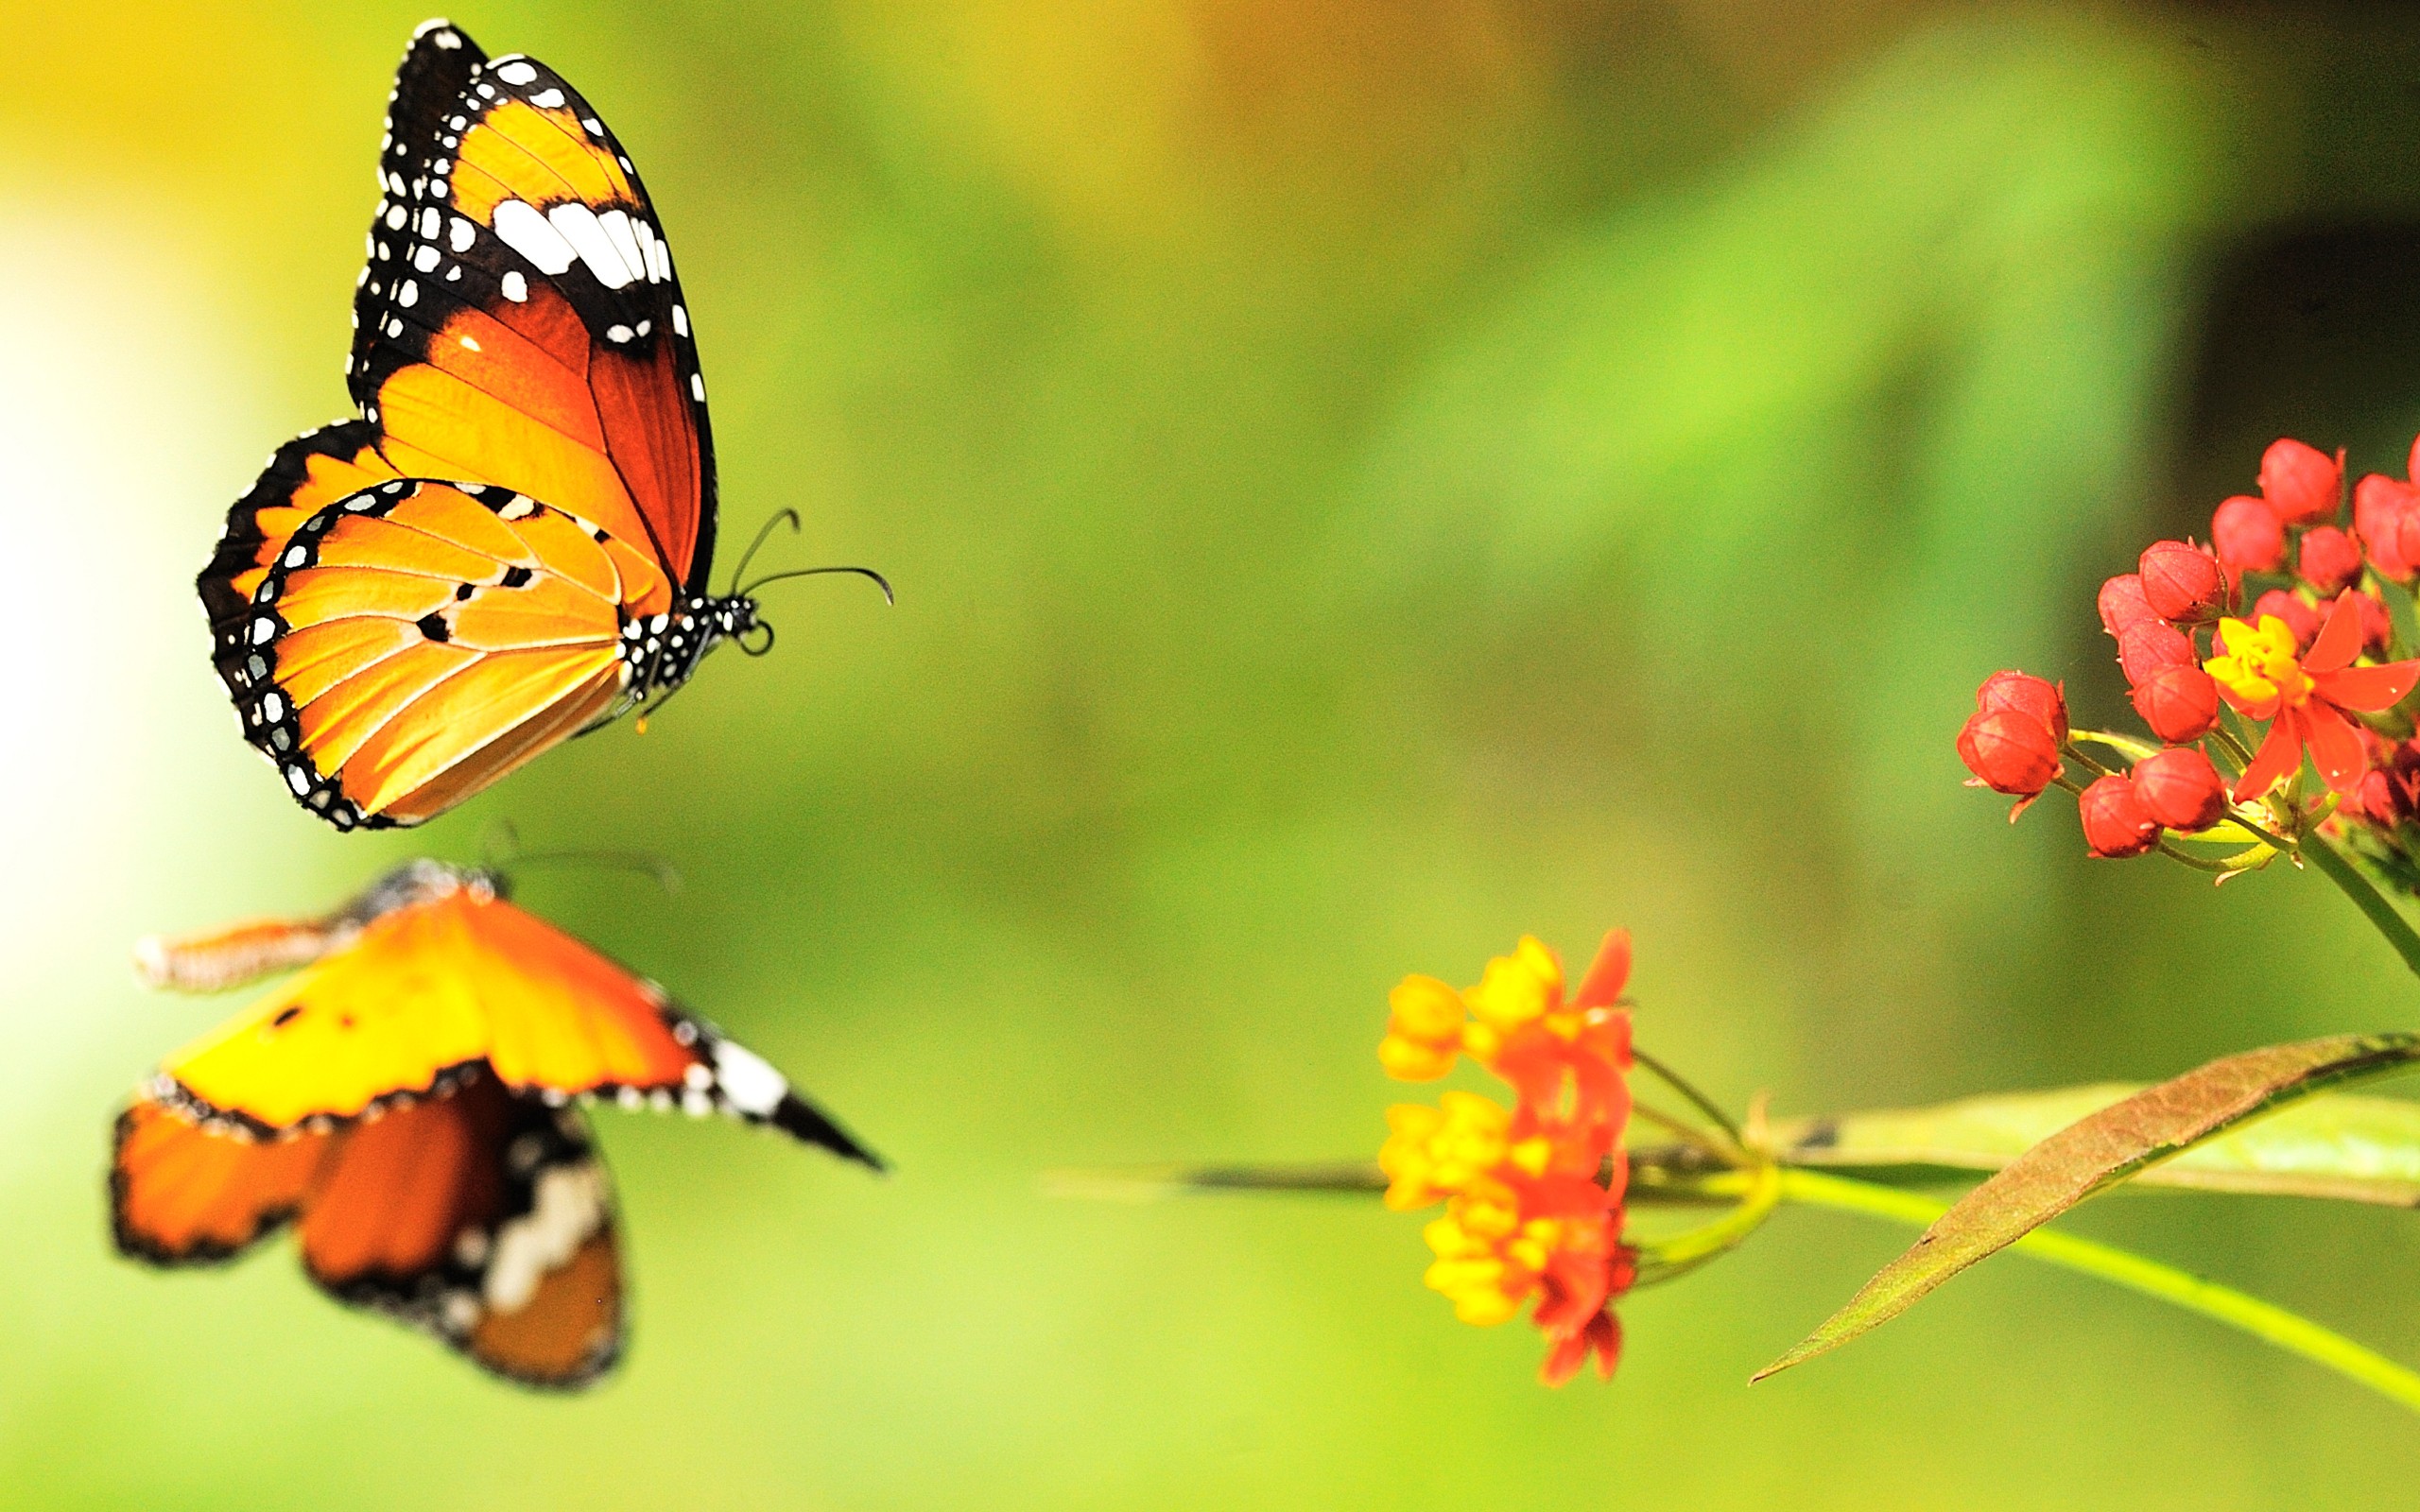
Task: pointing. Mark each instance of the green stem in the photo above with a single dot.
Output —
(2265, 1321)
(2126, 746)
(2382, 914)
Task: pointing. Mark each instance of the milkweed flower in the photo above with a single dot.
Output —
(1533, 1193)
(2313, 575)
(2307, 697)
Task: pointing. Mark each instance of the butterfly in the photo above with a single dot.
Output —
(410, 1103)
(511, 543)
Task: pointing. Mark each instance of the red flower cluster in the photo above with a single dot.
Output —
(1533, 1193)
(2293, 661)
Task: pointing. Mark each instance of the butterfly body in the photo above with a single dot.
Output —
(522, 346)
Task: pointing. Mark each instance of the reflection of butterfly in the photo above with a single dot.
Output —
(406, 1101)
(393, 645)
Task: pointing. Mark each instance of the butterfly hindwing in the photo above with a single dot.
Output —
(480, 1217)
(180, 1195)
(483, 1218)
(416, 641)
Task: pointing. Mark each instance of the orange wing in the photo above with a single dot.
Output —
(432, 993)
(183, 1195)
(518, 322)
(480, 1217)
(416, 641)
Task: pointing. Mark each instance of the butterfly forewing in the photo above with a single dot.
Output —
(438, 67)
(467, 983)
(532, 332)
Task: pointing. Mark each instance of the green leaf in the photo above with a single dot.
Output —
(2095, 1151)
(2347, 1149)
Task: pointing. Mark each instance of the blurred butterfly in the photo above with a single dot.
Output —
(511, 544)
(408, 1101)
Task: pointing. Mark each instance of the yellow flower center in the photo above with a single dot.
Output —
(2259, 663)
(1515, 991)
(1437, 1152)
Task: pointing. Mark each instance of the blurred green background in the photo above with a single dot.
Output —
(1365, 478)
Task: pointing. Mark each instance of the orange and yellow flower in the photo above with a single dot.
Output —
(1533, 1192)
(2307, 697)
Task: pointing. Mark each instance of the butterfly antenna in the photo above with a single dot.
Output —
(762, 531)
(878, 581)
(666, 875)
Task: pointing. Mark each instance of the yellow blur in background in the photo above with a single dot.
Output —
(1364, 480)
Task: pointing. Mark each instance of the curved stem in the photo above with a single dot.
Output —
(2240, 1311)
(2382, 914)
(1759, 1190)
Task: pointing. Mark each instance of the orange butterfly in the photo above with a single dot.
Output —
(511, 544)
(406, 1101)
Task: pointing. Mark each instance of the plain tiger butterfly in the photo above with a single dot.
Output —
(410, 1104)
(512, 543)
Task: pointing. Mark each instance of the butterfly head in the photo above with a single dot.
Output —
(421, 881)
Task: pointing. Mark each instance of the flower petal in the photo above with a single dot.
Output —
(2335, 748)
(2340, 639)
(2368, 689)
(2280, 757)
(1610, 973)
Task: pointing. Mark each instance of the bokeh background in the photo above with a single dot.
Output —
(1365, 478)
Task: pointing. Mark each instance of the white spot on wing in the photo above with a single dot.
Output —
(531, 234)
(580, 227)
(617, 227)
(547, 99)
(516, 288)
(570, 1208)
(461, 235)
(680, 320)
(516, 72)
(749, 1081)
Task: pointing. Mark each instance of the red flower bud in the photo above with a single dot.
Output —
(2025, 693)
(2248, 536)
(2328, 560)
(2300, 617)
(2374, 800)
(2181, 789)
(2150, 645)
(2377, 625)
(2386, 515)
(2180, 703)
(2122, 603)
(2183, 583)
(2010, 751)
(2302, 483)
(2390, 792)
(2114, 822)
